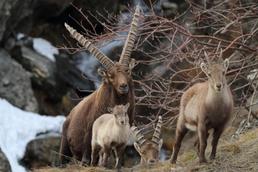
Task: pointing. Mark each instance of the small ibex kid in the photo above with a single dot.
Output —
(149, 149)
(110, 131)
(205, 106)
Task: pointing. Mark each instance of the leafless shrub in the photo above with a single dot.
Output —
(168, 52)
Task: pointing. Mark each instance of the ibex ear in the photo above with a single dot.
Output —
(132, 64)
(226, 64)
(204, 68)
(104, 74)
(137, 147)
(127, 106)
(160, 144)
(110, 109)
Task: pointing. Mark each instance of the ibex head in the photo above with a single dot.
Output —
(216, 73)
(117, 74)
(149, 149)
(120, 113)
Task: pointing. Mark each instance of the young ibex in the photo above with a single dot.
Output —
(116, 89)
(149, 149)
(110, 131)
(205, 106)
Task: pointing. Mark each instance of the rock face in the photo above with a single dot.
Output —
(15, 85)
(21, 15)
(4, 164)
(11, 14)
(41, 68)
(41, 152)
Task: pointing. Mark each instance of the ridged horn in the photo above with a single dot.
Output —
(139, 136)
(129, 43)
(103, 59)
(157, 131)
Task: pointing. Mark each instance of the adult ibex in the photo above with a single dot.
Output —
(117, 88)
(149, 149)
(110, 131)
(205, 106)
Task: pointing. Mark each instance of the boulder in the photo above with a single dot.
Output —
(41, 152)
(42, 68)
(49, 88)
(15, 84)
(4, 163)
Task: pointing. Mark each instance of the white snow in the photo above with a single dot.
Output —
(18, 128)
(253, 74)
(45, 48)
(19, 36)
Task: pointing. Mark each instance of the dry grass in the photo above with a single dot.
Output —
(232, 156)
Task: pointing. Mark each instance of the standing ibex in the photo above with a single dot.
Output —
(205, 106)
(149, 149)
(116, 89)
(110, 131)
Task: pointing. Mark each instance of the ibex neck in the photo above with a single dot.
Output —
(214, 97)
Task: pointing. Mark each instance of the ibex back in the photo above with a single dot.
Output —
(205, 106)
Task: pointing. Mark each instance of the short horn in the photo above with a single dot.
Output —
(103, 59)
(207, 57)
(129, 43)
(157, 132)
(139, 136)
(221, 55)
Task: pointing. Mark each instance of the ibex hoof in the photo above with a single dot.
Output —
(172, 161)
(202, 161)
(212, 157)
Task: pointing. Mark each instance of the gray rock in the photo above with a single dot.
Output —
(21, 15)
(41, 152)
(4, 163)
(12, 12)
(42, 68)
(15, 84)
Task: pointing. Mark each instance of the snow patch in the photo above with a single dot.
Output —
(45, 48)
(253, 74)
(19, 36)
(18, 128)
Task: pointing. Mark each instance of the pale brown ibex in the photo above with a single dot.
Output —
(110, 131)
(116, 88)
(149, 150)
(205, 106)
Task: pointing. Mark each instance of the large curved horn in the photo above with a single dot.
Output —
(139, 136)
(157, 132)
(103, 59)
(129, 43)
